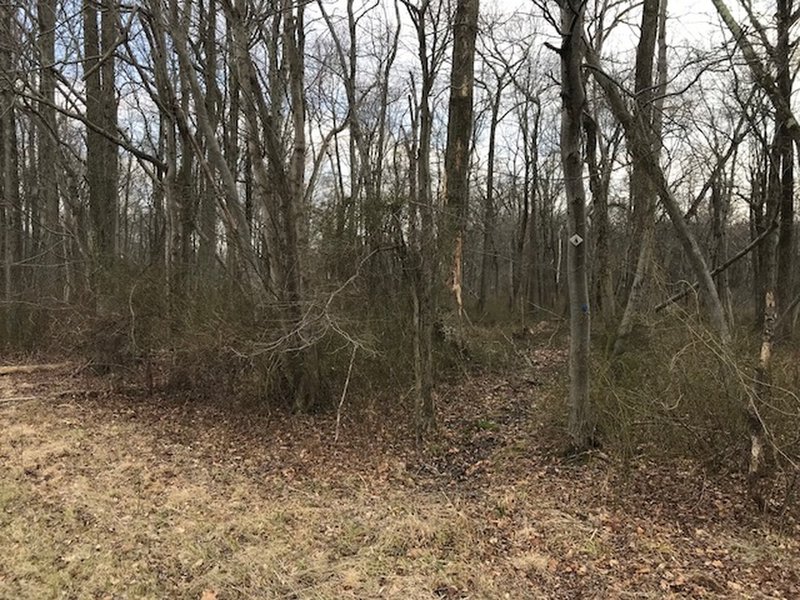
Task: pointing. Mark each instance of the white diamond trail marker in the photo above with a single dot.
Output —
(576, 240)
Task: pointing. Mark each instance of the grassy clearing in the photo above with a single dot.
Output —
(105, 496)
(95, 508)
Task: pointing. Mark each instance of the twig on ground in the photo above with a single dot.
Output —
(344, 393)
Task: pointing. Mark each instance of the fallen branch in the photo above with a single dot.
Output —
(32, 398)
(15, 369)
(344, 393)
(743, 252)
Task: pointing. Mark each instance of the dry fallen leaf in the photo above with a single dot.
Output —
(209, 594)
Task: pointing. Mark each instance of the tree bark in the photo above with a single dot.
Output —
(599, 182)
(425, 250)
(643, 192)
(101, 153)
(785, 274)
(47, 135)
(760, 454)
(720, 208)
(11, 225)
(459, 138)
(488, 256)
(573, 105)
(207, 217)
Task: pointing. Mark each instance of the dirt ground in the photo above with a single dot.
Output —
(116, 493)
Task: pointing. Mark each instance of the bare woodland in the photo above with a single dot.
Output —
(465, 247)
(307, 203)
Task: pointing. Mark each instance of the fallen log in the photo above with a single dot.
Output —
(16, 369)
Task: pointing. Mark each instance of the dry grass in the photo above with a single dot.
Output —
(93, 508)
(109, 498)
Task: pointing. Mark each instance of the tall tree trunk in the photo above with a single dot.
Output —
(642, 189)
(574, 99)
(425, 410)
(167, 148)
(599, 178)
(307, 380)
(785, 292)
(425, 251)
(10, 176)
(459, 138)
(231, 145)
(760, 454)
(519, 280)
(47, 135)
(183, 199)
(101, 154)
(377, 166)
(533, 270)
(758, 201)
(207, 218)
(720, 207)
(489, 213)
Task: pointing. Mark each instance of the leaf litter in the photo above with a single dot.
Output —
(110, 493)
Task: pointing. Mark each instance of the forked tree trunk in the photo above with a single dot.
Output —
(425, 251)
(643, 191)
(307, 384)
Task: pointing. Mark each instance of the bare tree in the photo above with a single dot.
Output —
(100, 22)
(642, 187)
(46, 140)
(427, 19)
(499, 72)
(778, 89)
(574, 104)
(459, 136)
(640, 144)
(12, 222)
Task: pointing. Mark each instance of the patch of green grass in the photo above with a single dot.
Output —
(487, 425)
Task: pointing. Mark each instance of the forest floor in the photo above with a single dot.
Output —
(107, 491)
